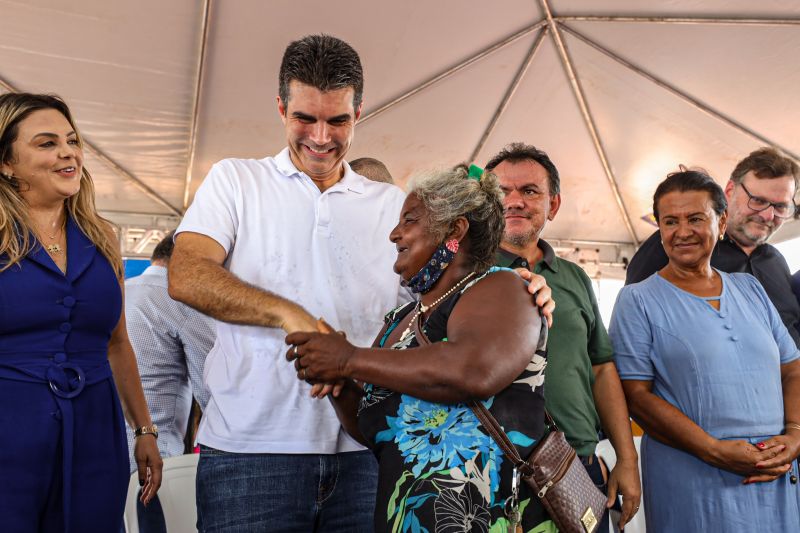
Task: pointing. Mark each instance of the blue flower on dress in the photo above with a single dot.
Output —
(433, 435)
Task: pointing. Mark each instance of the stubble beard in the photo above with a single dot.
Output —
(520, 239)
(741, 232)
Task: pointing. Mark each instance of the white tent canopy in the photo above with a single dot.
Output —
(618, 93)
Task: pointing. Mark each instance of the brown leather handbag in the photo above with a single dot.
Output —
(555, 473)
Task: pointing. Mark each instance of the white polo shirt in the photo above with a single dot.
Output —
(329, 252)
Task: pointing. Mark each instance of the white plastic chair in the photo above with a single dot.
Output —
(606, 452)
(177, 495)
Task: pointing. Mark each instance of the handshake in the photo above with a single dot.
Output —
(320, 358)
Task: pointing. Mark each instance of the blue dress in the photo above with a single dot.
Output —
(64, 454)
(721, 368)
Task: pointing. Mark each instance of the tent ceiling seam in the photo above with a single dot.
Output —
(512, 88)
(588, 119)
(452, 70)
(686, 97)
(201, 62)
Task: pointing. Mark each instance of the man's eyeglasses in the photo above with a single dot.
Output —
(756, 203)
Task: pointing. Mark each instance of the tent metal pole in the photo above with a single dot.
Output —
(689, 99)
(512, 88)
(113, 165)
(726, 21)
(198, 87)
(452, 70)
(589, 120)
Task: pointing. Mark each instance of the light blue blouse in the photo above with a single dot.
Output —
(721, 368)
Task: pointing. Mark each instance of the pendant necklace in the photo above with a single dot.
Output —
(421, 308)
(54, 248)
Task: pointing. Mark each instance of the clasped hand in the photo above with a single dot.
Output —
(759, 463)
(320, 358)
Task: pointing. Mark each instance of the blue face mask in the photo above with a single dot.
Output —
(429, 274)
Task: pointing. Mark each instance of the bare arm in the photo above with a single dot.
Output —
(346, 406)
(492, 335)
(664, 422)
(129, 387)
(197, 278)
(610, 402)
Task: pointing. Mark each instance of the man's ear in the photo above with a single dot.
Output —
(555, 205)
(358, 111)
(281, 109)
(729, 190)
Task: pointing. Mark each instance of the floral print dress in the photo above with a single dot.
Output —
(439, 471)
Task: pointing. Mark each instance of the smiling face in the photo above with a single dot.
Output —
(689, 227)
(527, 203)
(47, 158)
(319, 130)
(748, 227)
(413, 238)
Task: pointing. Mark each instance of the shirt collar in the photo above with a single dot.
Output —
(508, 259)
(350, 180)
(155, 270)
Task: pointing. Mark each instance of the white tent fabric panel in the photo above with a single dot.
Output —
(131, 74)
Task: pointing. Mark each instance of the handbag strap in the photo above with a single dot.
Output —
(486, 418)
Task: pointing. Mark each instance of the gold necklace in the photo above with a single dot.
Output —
(421, 308)
(55, 248)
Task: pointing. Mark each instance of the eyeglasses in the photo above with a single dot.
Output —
(758, 204)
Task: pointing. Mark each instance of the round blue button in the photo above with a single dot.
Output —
(65, 327)
(69, 301)
(60, 357)
(734, 337)
(728, 326)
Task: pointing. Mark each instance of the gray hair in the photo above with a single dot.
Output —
(449, 194)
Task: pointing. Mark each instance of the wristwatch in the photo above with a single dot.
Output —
(146, 430)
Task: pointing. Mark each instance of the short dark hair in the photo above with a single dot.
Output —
(372, 169)
(518, 152)
(323, 62)
(691, 180)
(767, 163)
(163, 250)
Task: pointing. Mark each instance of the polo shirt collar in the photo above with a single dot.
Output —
(350, 180)
(508, 259)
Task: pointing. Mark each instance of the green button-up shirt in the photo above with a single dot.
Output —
(577, 340)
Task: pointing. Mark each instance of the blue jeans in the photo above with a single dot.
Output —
(255, 492)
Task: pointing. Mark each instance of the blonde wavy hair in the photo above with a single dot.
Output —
(16, 230)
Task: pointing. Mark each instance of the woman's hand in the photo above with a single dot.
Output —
(789, 449)
(150, 464)
(743, 458)
(319, 357)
